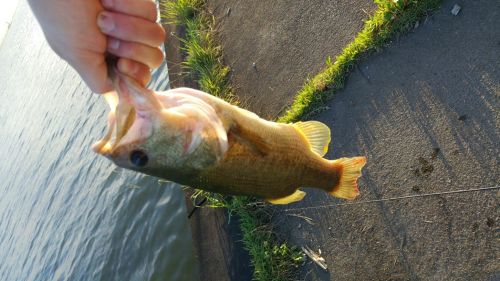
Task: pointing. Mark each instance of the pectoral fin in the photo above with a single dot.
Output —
(250, 139)
(294, 197)
(316, 133)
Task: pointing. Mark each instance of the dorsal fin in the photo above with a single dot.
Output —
(317, 133)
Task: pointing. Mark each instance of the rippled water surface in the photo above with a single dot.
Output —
(65, 212)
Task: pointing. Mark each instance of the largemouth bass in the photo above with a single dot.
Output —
(195, 139)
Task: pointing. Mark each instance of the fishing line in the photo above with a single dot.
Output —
(197, 206)
(398, 198)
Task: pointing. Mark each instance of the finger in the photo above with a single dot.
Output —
(129, 28)
(145, 9)
(140, 72)
(150, 56)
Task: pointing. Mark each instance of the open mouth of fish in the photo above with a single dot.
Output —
(136, 110)
(120, 120)
(128, 99)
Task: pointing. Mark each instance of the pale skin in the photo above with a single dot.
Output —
(82, 32)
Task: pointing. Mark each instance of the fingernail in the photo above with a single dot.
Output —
(125, 66)
(113, 44)
(107, 3)
(105, 22)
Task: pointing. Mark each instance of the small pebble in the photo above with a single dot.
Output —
(475, 226)
(455, 10)
(435, 152)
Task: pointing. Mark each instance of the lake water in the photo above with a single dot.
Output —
(65, 212)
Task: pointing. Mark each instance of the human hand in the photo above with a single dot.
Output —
(82, 31)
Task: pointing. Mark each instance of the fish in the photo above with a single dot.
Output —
(195, 139)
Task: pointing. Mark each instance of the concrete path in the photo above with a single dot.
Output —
(426, 113)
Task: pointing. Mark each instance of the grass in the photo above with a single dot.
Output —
(203, 56)
(271, 259)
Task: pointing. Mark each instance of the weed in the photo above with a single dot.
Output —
(271, 260)
(203, 56)
(180, 11)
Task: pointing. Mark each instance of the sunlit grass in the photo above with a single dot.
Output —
(203, 56)
(180, 11)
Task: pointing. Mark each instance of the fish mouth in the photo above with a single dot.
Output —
(120, 120)
(128, 99)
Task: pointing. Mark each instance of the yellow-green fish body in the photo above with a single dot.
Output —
(196, 139)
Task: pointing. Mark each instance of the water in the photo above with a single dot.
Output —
(65, 212)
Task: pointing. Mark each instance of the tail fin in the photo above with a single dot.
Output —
(347, 187)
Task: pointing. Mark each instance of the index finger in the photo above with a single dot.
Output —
(145, 9)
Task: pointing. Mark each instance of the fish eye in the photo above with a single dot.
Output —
(138, 158)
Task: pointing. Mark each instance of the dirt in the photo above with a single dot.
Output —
(272, 47)
(425, 111)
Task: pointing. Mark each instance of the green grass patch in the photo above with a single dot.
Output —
(203, 56)
(271, 259)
